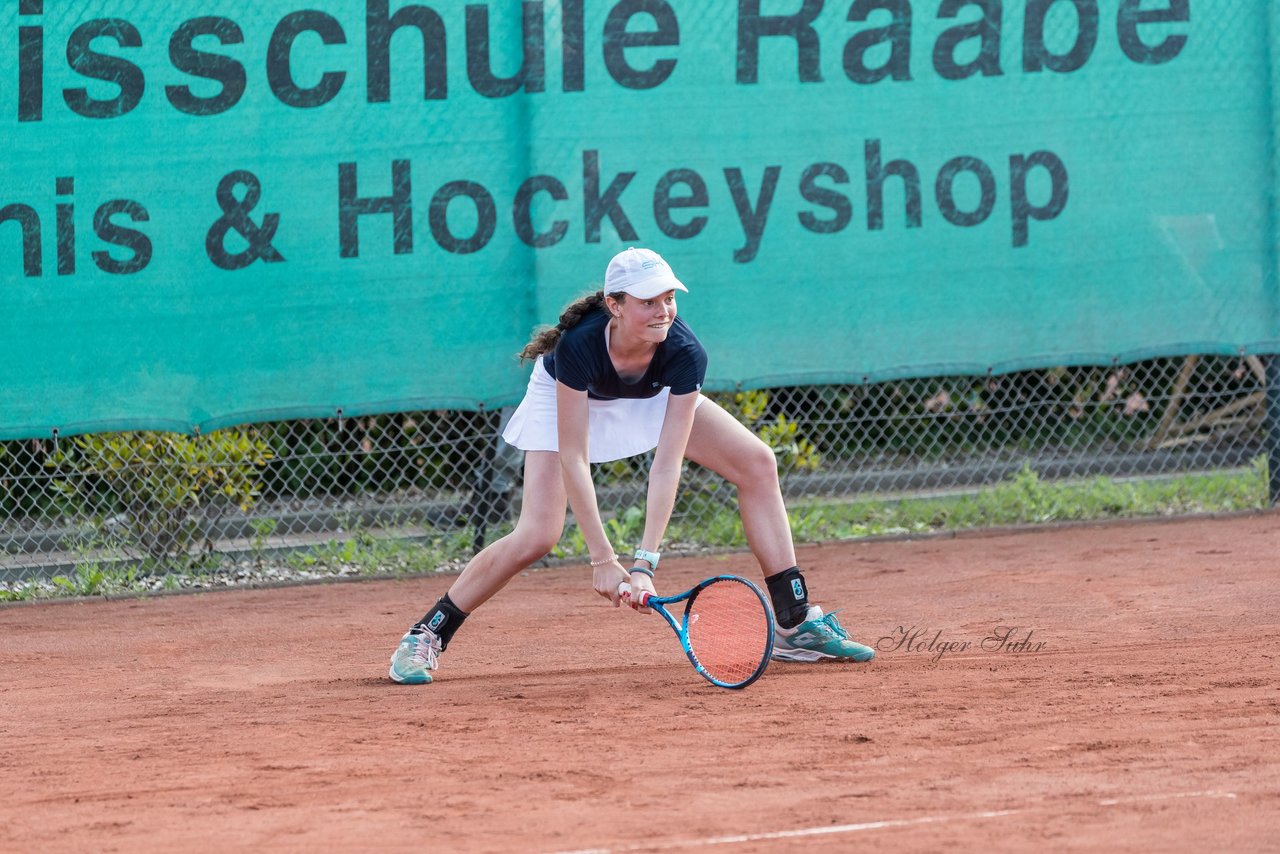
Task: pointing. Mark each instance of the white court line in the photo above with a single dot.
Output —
(875, 825)
(1110, 802)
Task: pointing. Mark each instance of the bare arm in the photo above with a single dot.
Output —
(571, 410)
(664, 476)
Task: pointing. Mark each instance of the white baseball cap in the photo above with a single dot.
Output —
(641, 273)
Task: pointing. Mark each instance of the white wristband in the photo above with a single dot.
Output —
(650, 558)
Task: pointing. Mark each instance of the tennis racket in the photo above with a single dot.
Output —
(726, 628)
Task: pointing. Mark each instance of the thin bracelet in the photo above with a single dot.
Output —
(641, 569)
(603, 561)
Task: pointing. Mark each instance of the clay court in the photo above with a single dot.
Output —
(1129, 701)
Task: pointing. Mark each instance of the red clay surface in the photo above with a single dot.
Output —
(1148, 718)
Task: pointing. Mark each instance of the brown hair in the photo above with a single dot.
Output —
(544, 340)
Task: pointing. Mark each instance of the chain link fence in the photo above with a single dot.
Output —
(420, 491)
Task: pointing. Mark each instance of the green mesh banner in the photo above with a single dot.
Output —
(261, 212)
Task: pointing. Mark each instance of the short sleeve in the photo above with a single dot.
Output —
(573, 362)
(687, 370)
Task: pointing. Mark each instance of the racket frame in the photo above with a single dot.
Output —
(681, 627)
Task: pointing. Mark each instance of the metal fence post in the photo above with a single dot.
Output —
(1271, 425)
(490, 502)
(1271, 433)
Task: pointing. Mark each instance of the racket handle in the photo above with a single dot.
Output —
(624, 590)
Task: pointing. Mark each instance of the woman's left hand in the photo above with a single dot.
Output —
(606, 578)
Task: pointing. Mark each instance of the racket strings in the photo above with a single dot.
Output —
(729, 631)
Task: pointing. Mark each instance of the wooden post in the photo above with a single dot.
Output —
(1175, 401)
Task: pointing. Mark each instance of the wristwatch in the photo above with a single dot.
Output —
(650, 558)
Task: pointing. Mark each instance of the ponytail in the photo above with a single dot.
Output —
(544, 340)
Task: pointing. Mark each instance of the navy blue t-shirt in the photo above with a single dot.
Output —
(581, 361)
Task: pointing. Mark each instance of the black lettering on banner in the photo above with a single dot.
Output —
(1022, 210)
(279, 59)
(1132, 14)
(486, 217)
(752, 26)
(836, 202)
(522, 213)
(596, 207)
(380, 26)
(65, 227)
(29, 221)
(572, 45)
(533, 66)
(617, 39)
(235, 215)
(876, 175)
(87, 62)
(897, 33)
(30, 64)
(351, 207)
(1037, 56)
(211, 66)
(987, 28)
(138, 244)
(664, 201)
(944, 191)
(753, 218)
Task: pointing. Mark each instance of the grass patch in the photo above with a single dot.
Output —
(702, 521)
(1026, 499)
(366, 554)
(1023, 499)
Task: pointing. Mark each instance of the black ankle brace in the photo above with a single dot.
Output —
(442, 621)
(790, 597)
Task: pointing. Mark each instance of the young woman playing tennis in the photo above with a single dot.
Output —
(618, 376)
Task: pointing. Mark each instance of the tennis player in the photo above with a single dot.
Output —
(620, 375)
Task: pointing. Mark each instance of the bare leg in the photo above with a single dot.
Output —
(719, 442)
(542, 516)
(723, 445)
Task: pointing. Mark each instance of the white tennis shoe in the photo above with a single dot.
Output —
(818, 637)
(415, 658)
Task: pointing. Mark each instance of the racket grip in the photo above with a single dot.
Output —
(624, 590)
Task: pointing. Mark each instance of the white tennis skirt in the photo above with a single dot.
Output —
(616, 428)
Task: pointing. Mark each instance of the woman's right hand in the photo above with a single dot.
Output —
(641, 587)
(606, 578)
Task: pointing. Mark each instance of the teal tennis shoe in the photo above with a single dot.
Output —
(817, 638)
(415, 658)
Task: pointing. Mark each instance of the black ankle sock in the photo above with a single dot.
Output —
(790, 597)
(442, 620)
